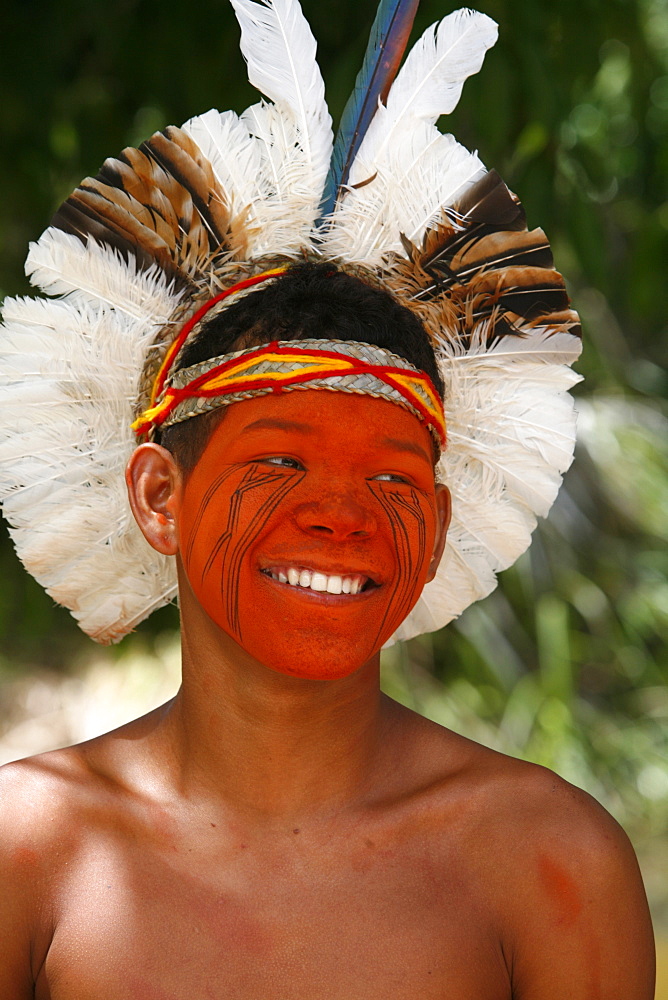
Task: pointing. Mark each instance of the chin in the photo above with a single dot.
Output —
(313, 657)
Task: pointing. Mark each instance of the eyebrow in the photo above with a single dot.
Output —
(401, 444)
(271, 423)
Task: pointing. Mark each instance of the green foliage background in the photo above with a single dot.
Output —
(566, 663)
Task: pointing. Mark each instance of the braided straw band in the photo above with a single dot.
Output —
(341, 366)
(176, 345)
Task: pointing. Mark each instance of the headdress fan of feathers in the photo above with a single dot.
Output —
(134, 250)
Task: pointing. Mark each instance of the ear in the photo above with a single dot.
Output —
(443, 512)
(154, 487)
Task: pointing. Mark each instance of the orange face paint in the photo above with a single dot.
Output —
(310, 482)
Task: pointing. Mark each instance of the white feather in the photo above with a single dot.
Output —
(291, 203)
(60, 264)
(405, 171)
(280, 50)
(68, 383)
(514, 423)
(422, 172)
(537, 343)
(235, 157)
(430, 82)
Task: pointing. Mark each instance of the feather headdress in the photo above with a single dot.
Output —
(135, 250)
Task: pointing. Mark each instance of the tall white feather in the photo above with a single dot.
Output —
(511, 435)
(295, 135)
(405, 169)
(280, 50)
(430, 82)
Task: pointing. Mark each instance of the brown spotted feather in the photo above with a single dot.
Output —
(480, 263)
(160, 204)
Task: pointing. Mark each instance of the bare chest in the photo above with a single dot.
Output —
(359, 921)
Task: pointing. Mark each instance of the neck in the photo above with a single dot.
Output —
(268, 745)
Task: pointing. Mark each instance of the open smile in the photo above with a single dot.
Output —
(304, 578)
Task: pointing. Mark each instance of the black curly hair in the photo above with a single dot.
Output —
(309, 301)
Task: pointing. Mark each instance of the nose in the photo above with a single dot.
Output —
(337, 516)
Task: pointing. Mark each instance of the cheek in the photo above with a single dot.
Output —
(410, 516)
(219, 526)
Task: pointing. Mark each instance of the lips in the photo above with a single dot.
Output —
(315, 580)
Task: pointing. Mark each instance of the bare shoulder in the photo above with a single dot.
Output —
(563, 881)
(51, 804)
(533, 803)
(556, 876)
(37, 793)
(60, 796)
(534, 819)
(45, 802)
(556, 831)
(56, 809)
(517, 802)
(40, 822)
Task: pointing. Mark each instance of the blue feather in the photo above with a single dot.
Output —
(387, 43)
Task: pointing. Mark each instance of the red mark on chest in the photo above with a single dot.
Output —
(562, 889)
(25, 857)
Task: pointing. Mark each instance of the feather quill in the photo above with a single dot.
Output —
(387, 43)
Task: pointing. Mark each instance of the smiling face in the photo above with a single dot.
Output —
(308, 527)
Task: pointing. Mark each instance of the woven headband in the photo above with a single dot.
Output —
(196, 319)
(343, 366)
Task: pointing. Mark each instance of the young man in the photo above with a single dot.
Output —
(294, 832)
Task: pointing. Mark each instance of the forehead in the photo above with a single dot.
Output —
(327, 419)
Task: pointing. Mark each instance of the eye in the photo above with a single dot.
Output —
(283, 461)
(391, 477)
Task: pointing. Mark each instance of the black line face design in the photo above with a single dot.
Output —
(403, 507)
(256, 497)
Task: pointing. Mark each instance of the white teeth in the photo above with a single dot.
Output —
(319, 582)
